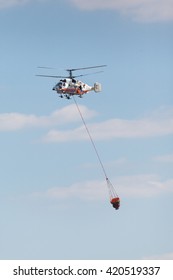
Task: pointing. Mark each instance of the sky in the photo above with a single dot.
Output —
(54, 201)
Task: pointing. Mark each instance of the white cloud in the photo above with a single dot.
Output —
(140, 10)
(164, 158)
(136, 186)
(10, 3)
(68, 114)
(90, 190)
(143, 185)
(166, 256)
(160, 123)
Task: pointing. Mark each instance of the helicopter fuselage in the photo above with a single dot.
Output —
(71, 86)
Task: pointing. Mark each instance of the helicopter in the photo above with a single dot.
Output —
(69, 85)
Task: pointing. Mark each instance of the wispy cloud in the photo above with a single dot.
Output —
(68, 114)
(136, 186)
(11, 3)
(160, 123)
(89, 190)
(140, 10)
(143, 185)
(164, 158)
(165, 256)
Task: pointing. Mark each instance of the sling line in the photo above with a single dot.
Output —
(111, 189)
(114, 199)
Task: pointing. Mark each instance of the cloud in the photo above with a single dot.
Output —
(140, 10)
(166, 256)
(136, 186)
(164, 158)
(89, 190)
(68, 114)
(160, 123)
(11, 3)
(143, 185)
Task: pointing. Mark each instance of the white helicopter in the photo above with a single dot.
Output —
(68, 85)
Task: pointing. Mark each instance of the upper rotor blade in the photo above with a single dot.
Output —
(86, 68)
(89, 74)
(45, 67)
(51, 76)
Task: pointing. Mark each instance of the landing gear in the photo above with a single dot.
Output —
(66, 96)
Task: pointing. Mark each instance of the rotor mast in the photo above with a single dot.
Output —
(70, 73)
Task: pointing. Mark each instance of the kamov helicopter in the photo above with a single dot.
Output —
(69, 85)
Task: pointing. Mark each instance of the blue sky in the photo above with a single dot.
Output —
(54, 201)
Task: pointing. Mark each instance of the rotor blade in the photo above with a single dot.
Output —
(45, 67)
(89, 74)
(86, 68)
(51, 76)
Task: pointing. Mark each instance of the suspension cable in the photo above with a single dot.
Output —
(114, 199)
(92, 142)
(112, 192)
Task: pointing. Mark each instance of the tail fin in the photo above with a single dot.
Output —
(97, 87)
